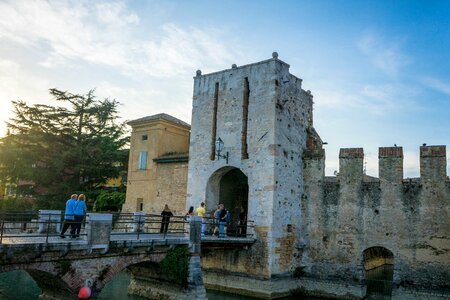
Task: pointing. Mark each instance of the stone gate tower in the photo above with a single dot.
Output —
(264, 118)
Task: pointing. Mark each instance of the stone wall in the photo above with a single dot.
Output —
(170, 188)
(307, 224)
(347, 214)
(279, 112)
(293, 118)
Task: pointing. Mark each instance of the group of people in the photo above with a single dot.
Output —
(221, 221)
(74, 214)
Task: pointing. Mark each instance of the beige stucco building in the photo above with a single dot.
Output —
(157, 169)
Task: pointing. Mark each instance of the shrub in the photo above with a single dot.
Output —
(109, 201)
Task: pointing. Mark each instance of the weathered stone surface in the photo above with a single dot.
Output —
(279, 113)
(407, 217)
(304, 220)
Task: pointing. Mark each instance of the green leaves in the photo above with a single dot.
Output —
(109, 201)
(176, 265)
(63, 150)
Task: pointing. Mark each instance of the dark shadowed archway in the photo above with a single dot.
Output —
(379, 272)
(229, 186)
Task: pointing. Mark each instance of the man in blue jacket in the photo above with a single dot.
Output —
(79, 210)
(69, 215)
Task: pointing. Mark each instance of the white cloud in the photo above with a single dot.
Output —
(102, 34)
(105, 37)
(411, 164)
(380, 99)
(373, 99)
(384, 55)
(436, 84)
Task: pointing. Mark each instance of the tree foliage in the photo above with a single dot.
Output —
(64, 149)
(176, 265)
(109, 201)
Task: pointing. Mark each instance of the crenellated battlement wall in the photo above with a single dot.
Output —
(345, 215)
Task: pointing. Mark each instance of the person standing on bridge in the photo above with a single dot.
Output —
(166, 214)
(187, 218)
(201, 211)
(79, 210)
(69, 216)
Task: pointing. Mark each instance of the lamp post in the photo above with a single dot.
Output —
(219, 148)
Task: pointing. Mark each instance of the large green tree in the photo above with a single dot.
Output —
(63, 149)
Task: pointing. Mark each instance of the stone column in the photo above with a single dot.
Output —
(49, 220)
(98, 229)
(195, 279)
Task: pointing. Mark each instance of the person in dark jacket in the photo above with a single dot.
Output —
(222, 220)
(166, 214)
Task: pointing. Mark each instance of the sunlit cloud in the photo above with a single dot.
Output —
(101, 34)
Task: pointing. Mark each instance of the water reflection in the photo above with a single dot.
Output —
(215, 295)
(18, 285)
(379, 282)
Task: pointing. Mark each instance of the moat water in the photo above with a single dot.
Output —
(18, 285)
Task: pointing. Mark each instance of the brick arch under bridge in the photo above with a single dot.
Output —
(61, 274)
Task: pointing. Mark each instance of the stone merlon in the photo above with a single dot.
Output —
(390, 152)
(434, 151)
(351, 153)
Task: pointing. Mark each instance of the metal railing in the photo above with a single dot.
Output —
(234, 228)
(142, 223)
(24, 226)
(45, 227)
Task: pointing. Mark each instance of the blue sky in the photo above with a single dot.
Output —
(379, 70)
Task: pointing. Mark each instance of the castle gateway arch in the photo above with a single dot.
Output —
(229, 186)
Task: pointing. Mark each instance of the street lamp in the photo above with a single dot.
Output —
(219, 148)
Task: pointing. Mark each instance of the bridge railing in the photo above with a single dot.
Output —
(142, 223)
(233, 228)
(24, 226)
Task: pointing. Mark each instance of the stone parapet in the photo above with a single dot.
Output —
(49, 221)
(98, 229)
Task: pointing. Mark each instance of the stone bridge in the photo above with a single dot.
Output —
(61, 267)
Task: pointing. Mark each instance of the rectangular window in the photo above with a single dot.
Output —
(140, 204)
(145, 137)
(142, 164)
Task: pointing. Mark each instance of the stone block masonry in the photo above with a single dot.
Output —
(261, 113)
(306, 224)
(350, 213)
